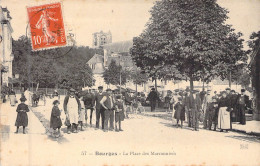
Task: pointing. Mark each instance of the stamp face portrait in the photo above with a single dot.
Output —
(46, 26)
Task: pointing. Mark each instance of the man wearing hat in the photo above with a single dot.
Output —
(205, 108)
(213, 114)
(242, 102)
(72, 109)
(108, 103)
(231, 102)
(187, 106)
(195, 108)
(153, 97)
(100, 111)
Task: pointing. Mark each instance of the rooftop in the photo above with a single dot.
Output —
(96, 59)
(119, 47)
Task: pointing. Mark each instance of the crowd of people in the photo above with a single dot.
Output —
(78, 106)
(216, 111)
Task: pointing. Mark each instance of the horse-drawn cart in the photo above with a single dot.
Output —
(37, 96)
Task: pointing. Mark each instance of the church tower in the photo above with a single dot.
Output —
(101, 38)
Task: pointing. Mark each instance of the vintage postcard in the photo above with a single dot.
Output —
(129, 82)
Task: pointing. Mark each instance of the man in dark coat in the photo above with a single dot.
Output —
(242, 102)
(153, 97)
(89, 102)
(195, 108)
(187, 106)
(100, 111)
(234, 113)
(205, 109)
(108, 103)
(229, 101)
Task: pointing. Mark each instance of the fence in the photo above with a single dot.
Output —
(45, 90)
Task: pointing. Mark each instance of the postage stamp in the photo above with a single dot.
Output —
(46, 26)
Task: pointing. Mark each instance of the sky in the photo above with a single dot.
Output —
(124, 18)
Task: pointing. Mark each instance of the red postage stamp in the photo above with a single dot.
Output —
(46, 25)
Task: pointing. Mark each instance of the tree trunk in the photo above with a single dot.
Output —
(37, 86)
(136, 91)
(229, 79)
(155, 84)
(203, 87)
(136, 88)
(191, 83)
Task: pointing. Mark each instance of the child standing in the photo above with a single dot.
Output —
(213, 113)
(179, 112)
(55, 122)
(82, 114)
(119, 115)
(22, 118)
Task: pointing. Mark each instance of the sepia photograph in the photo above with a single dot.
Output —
(130, 83)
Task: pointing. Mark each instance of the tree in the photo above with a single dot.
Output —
(138, 77)
(61, 67)
(112, 74)
(189, 35)
(254, 51)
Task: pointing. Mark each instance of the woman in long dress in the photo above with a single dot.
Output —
(22, 117)
(55, 120)
(224, 113)
(179, 114)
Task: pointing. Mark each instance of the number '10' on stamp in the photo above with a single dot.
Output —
(46, 26)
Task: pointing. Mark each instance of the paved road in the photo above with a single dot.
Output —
(146, 140)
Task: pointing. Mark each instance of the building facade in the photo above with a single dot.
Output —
(6, 56)
(101, 38)
(96, 63)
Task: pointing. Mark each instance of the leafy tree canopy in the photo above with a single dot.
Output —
(61, 67)
(111, 75)
(189, 36)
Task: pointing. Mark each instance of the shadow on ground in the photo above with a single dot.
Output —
(246, 138)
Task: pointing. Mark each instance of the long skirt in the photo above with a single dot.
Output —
(21, 119)
(223, 118)
(55, 122)
(12, 100)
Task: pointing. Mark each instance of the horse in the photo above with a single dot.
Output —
(35, 99)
